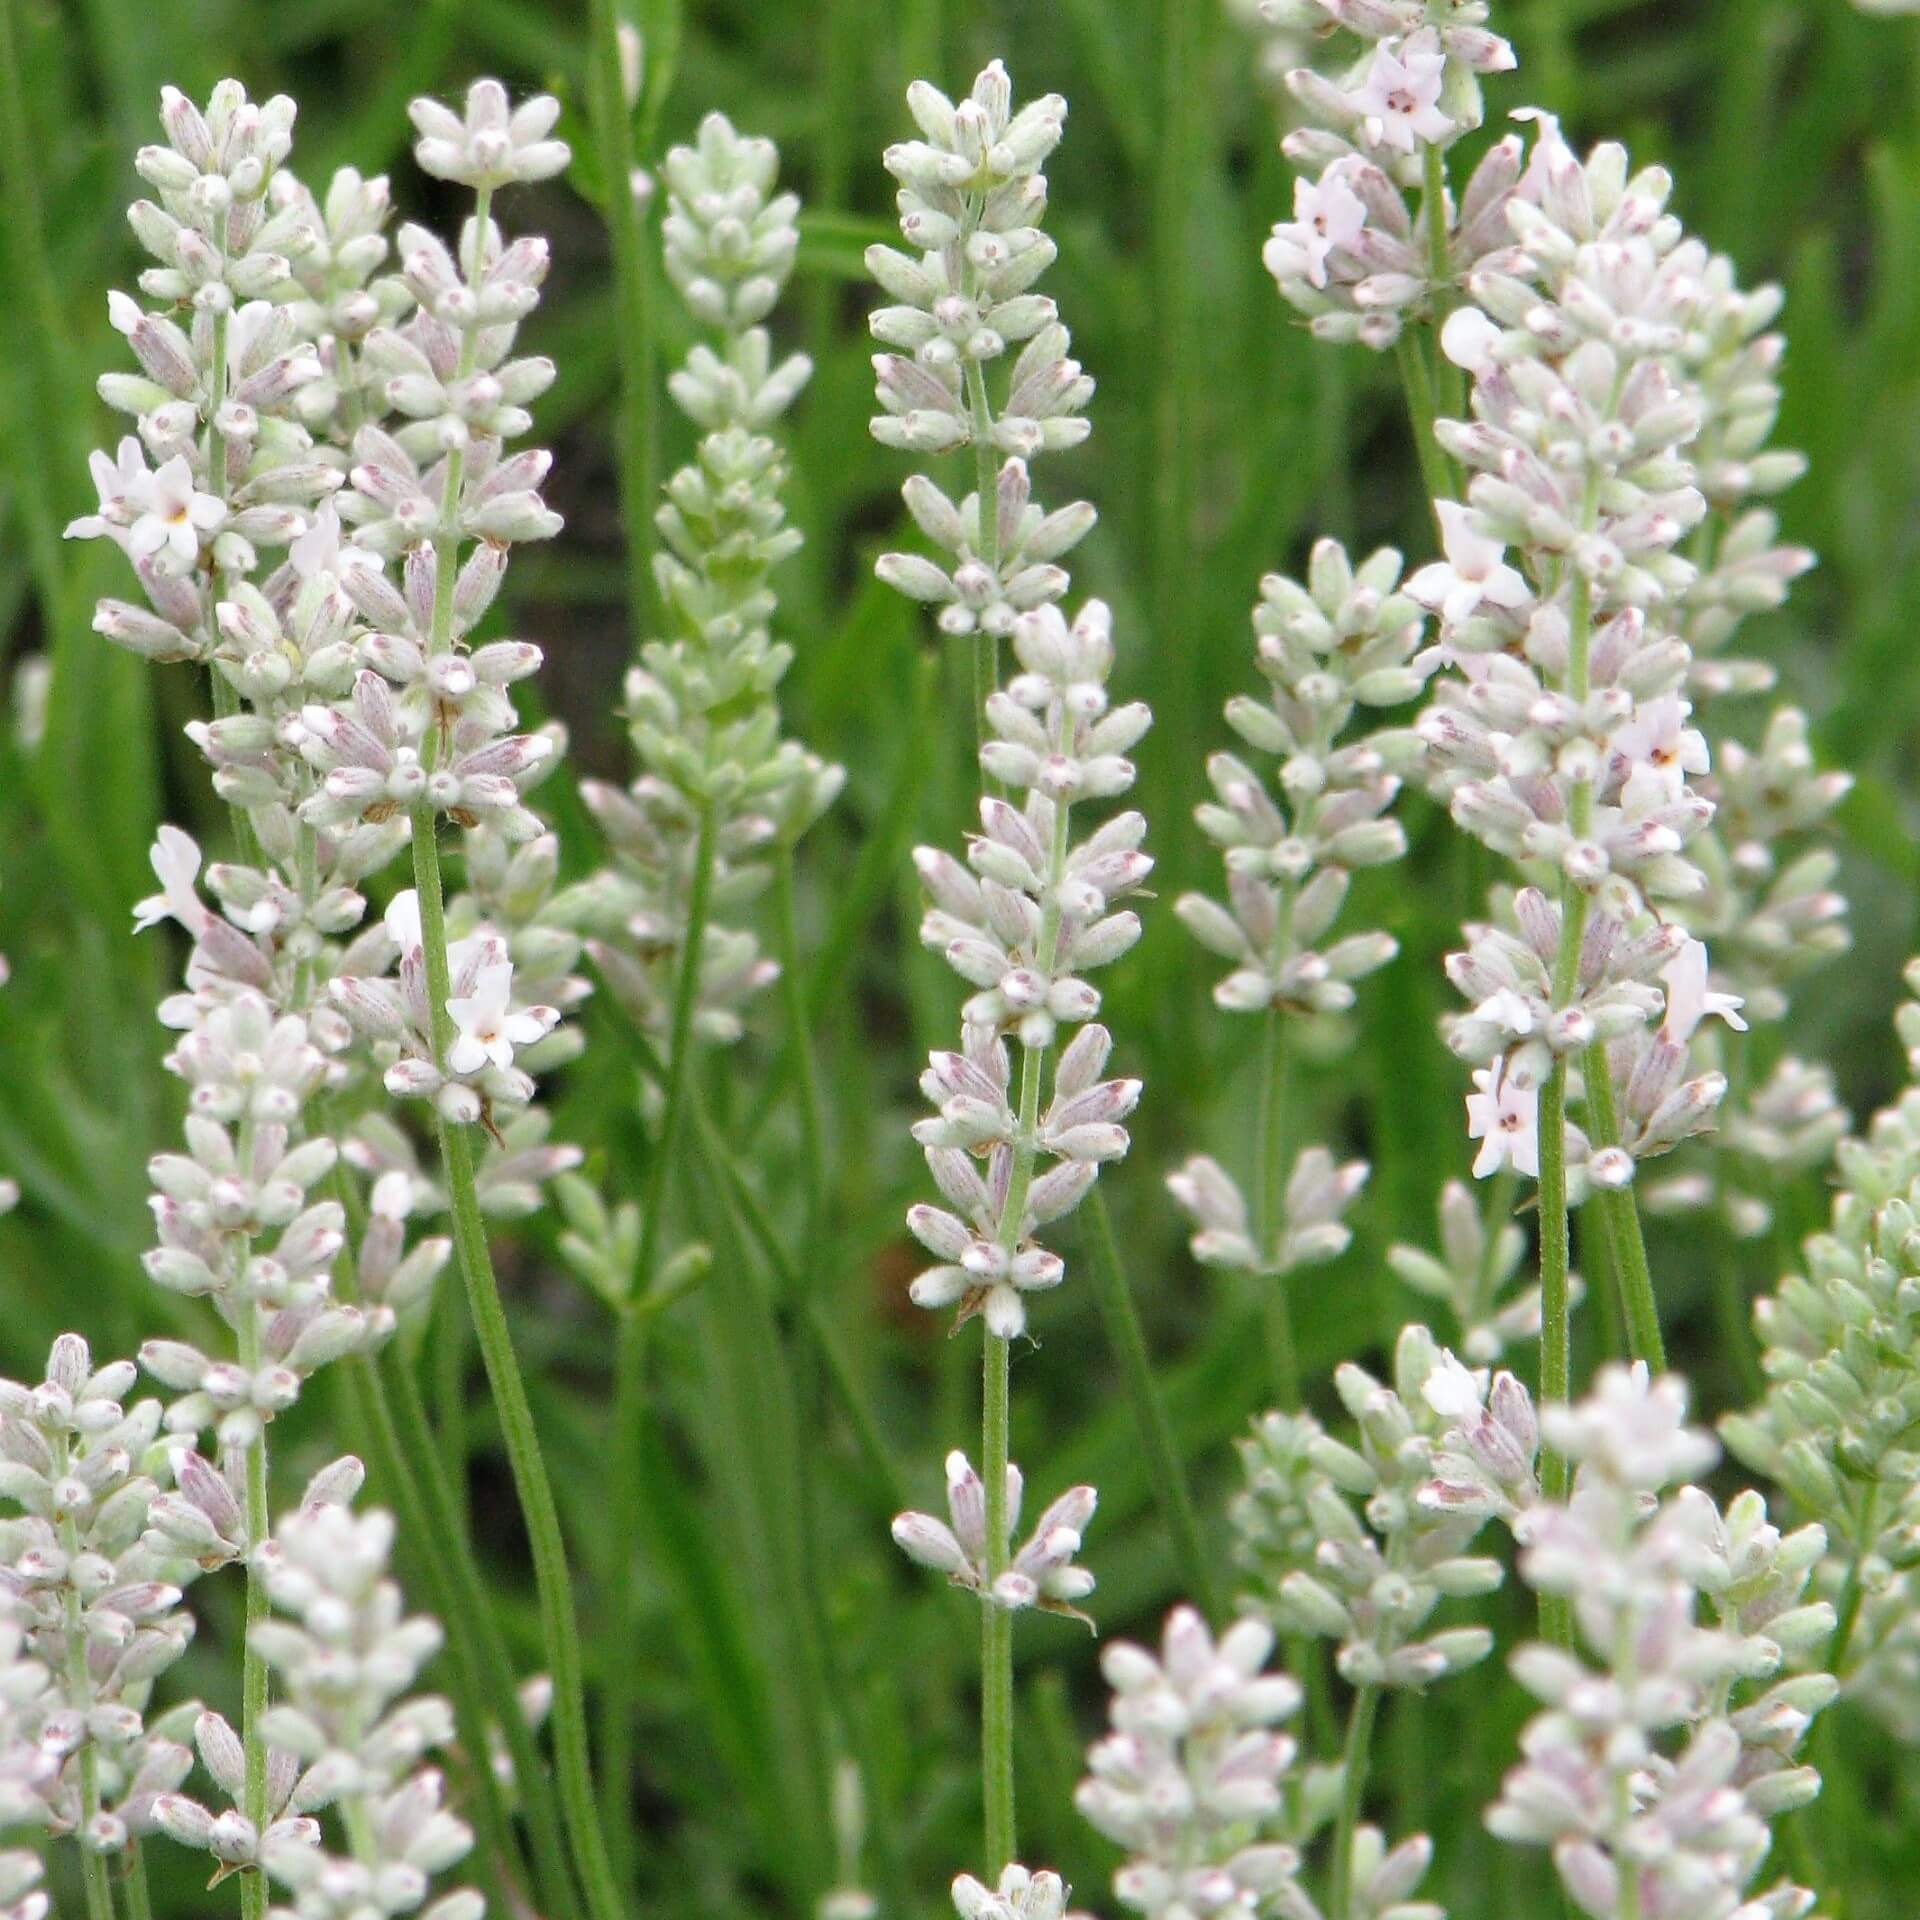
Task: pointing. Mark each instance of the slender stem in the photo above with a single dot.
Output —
(618, 1692)
(626, 226)
(472, 1625)
(253, 1673)
(1269, 1189)
(423, 1521)
(137, 1899)
(1622, 1214)
(1122, 1321)
(559, 1633)
(806, 1074)
(620, 1698)
(996, 1623)
(373, 1419)
(1556, 1341)
(996, 1633)
(1353, 1790)
(1853, 1590)
(1449, 388)
(1416, 377)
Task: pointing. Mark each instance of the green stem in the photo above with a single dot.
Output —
(996, 1632)
(373, 1419)
(996, 1623)
(559, 1633)
(1853, 1590)
(138, 1901)
(1122, 1321)
(1269, 1189)
(1622, 1214)
(253, 1672)
(618, 1692)
(1556, 1340)
(1416, 377)
(1353, 1790)
(421, 1523)
(1449, 384)
(633, 304)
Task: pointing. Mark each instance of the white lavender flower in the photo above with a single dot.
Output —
(703, 704)
(1649, 1782)
(1358, 258)
(349, 1736)
(1017, 1895)
(1372, 1584)
(493, 143)
(971, 201)
(1842, 1363)
(1346, 639)
(1040, 1574)
(1023, 922)
(1310, 1231)
(90, 1616)
(1193, 1770)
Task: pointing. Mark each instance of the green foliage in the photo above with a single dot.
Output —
(792, 1400)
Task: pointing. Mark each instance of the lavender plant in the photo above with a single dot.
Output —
(1029, 913)
(1347, 639)
(318, 501)
(353, 713)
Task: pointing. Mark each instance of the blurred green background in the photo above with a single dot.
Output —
(1224, 442)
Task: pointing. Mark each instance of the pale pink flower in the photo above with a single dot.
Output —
(1690, 1000)
(176, 865)
(1400, 96)
(1327, 213)
(171, 515)
(1473, 574)
(1505, 1119)
(487, 1029)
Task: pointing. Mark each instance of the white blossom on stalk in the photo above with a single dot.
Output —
(1193, 1769)
(1345, 639)
(1399, 99)
(1018, 1895)
(1841, 1358)
(305, 416)
(1370, 1579)
(702, 706)
(1029, 914)
(90, 1611)
(348, 1736)
(1650, 1783)
(1369, 127)
(1040, 1574)
(493, 143)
